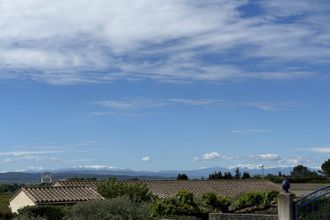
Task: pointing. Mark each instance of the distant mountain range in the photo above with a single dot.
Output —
(32, 177)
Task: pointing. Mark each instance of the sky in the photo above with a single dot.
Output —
(162, 85)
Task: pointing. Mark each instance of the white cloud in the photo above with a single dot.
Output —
(266, 157)
(71, 42)
(317, 149)
(129, 103)
(248, 166)
(211, 156)
(194, 159)
(242, 131)
(268, 106)
(146, 158)
(195, 102)
(27, 153)
(95, 167)
(294, 161)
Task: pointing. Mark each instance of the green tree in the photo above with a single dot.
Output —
(137, 192)
(237, 174)
(300, 171)
(110, 209)
(246, 175)
(326, 168)
(182, 176)
(227, 175)
(214, 203)
(215, 175)
(183, 204)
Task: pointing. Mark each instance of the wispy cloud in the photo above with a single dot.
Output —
(210, 156)
(27, 153)
(252, 130)
(270, 106)
(160, 40)
(96, 167)
(266, 157)
(247, 166)
(146, 158)
(294, 161)
(135, 103)
(316, 149)
(195, 102)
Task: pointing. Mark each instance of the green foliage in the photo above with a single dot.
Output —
(183, 204)
(137, 192)
(253, 199)
(42, 212)
(6, 214)
(120, 208)
(326, 168)
(185, 196)
(212, 202)
(4, 188)
(216, 175)
(237, 174)
(300, 171)
(182, 176)
(227, 175)
(246, 175)
(6, 191)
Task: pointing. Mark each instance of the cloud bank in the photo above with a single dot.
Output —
(75, 42)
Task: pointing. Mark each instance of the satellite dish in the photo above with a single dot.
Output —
(46, 178)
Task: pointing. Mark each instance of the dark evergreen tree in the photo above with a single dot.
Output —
(216, 175)
(326, 168)
(227, 175)
(182, 176)
(246, 175)
(237, 174)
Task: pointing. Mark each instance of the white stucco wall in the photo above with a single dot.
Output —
(21, 200)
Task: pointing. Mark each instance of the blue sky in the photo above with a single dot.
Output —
(154, 85)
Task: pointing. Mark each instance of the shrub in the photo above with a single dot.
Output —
(183, 204)
(271, 198)
(6, 214)
(252, 199)
(42, 212)
(213, 202)
(137, 192)
(120, 208)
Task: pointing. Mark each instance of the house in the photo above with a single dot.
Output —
(55, 195)
(167, 188)
(70, 192)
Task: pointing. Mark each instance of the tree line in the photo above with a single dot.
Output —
(299, 173)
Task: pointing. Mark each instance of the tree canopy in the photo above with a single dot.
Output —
(326, 168)
(182, 176)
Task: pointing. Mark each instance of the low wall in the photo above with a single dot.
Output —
(224, 216)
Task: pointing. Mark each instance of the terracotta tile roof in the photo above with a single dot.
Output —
(61, 194)
(168, 188)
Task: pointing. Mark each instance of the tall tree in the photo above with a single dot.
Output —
(182, 176)
(227, 175)
(216, 175)
(246, 175)
(326, 168)
(237, 174)
(300, 171)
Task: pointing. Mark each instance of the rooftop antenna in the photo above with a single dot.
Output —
(46, 178)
